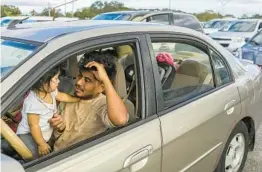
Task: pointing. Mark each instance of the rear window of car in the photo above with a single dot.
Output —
(187, 21)
(12, 53)
(115, 16)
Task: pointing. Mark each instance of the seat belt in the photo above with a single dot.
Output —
(130, 90)
(208, 79)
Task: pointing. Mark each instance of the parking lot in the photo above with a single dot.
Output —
(254, 160)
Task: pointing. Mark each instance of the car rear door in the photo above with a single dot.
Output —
(194, 126)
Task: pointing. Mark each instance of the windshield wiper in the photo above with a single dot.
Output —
(253, 41)
(13, 23)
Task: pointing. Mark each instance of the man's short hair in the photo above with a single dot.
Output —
(105, 58)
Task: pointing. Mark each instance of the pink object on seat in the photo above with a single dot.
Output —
(165, 58)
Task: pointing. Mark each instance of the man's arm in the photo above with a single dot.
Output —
(117, 111)
(58, 123)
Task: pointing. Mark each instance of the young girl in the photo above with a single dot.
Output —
(38, 107)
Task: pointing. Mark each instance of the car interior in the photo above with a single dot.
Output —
(192, 76)
(125, 84)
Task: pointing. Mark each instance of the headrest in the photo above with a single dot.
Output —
(124, 50)
(120, 81)
(73, 67)
(192, 68)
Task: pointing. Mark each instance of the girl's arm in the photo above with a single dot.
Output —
(63, 97)
(33, 121)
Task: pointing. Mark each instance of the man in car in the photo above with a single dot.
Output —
(95, 112)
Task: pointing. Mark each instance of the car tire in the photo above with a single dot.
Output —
(233, 154)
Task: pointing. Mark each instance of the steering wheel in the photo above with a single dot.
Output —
(15, 141)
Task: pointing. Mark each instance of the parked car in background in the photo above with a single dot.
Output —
(199, 116)
(252, 50)
(163, 17)
(5, 21)
(216, 24)
(234, 37)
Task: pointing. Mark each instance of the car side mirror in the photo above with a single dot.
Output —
(247, 39)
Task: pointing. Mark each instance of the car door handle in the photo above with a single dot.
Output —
(138, 160)
(229, 108)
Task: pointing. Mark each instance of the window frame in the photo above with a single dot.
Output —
(146, 100)
(227, 66)
(187, 39)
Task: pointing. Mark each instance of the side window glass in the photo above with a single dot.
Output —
(162, 18)
(185, 71)
(187, 21)
(220, 70)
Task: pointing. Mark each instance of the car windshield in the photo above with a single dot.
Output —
(114, 16)
(5, 22)
(216, 24)
(12, 53)
(243, 26)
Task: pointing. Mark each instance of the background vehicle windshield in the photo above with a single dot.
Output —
(114, 16)
(5, 22)
(12, 53)
(243, 26)
(216, 24)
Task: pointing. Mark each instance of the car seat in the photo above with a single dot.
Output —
(167, 69)
(190, 73)
(120, 86)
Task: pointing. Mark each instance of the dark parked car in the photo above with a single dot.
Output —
(164, 17)
(252, 50)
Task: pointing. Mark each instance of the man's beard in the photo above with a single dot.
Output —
(88, 97)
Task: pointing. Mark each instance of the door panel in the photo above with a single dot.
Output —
(194, 134)
(114, 154)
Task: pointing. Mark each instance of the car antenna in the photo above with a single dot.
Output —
(13, 23)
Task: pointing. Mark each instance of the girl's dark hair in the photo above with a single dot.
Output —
(105, 58)
(46, 79)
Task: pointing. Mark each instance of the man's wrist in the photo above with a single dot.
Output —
(107, 81)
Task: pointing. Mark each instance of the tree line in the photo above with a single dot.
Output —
(101, 7)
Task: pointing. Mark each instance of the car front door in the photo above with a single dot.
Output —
(197, 106)
(136, 147)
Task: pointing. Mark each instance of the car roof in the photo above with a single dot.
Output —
(45, 31)
(128, 12)
(145, 12)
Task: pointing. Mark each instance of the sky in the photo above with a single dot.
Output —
(235, 7)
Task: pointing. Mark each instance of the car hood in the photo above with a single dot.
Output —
(231, 34)
(210, 30)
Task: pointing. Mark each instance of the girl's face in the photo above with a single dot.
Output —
(53, 84)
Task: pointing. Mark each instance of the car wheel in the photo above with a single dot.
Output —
(235, 152)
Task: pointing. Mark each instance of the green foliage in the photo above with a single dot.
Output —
(9, 10)
(208, 15)
(103, 6)
(99, 7)
(57, 12)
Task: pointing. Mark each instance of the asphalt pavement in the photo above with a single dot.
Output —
(254, 159)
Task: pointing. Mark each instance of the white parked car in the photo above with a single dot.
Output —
(234, 37)
(200, 116)
(216, 24)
